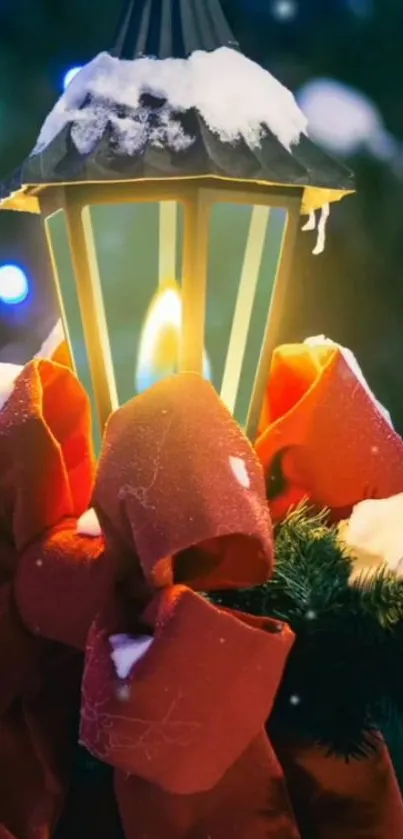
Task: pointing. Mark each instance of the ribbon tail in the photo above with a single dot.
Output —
(251, 800)
(333, 797)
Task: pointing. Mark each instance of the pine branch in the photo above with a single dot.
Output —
(344, 676)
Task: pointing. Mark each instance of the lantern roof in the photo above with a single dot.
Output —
(171, 29)
(176, 98)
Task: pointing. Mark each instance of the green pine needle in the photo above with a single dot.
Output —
(344, 677)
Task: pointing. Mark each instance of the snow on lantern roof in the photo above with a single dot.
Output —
(146, 101)
(209, 111)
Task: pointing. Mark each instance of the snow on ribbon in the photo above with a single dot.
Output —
(10, 372)
(88, 524)
(374, 535)
(349, 357)
(8, 375)
(235, 96)
(52, 342)
(127, 651)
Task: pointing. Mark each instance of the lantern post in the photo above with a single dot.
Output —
(148, 186)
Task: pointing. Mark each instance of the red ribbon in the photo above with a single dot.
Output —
(181, 499)
(325, 433)
(200, 697)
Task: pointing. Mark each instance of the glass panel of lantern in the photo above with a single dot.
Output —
(139, 252)
(62, 263)
(245, 248)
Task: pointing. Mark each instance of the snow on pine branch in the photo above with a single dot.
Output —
(374, 536)
(236, 98)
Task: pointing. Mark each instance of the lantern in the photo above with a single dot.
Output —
(171, 176)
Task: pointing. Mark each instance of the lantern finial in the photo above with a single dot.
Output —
(171, 28)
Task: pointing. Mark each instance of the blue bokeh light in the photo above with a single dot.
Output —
(14, 285)
(70, 75)
(284, 11)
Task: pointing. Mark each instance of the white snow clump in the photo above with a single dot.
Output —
(236, 97)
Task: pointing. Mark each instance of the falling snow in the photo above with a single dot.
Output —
(123, 692)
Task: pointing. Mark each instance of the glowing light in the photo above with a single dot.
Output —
(159, 342)
(284, 10)
(70, 75)
(14, 286)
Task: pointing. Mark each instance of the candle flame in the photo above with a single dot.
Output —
(158, 351)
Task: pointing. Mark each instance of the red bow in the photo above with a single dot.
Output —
(181, 499)
(323, 436)
(46, 470)
(179, 491)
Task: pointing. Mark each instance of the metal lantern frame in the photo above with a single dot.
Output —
(197, 196)
(297, 179)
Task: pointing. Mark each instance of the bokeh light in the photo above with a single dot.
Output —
(361, 8)
(284, 10)
(70, 75)
(344, 120)
(14, 286)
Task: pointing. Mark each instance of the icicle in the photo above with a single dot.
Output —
(310, 224)
(321, 230)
